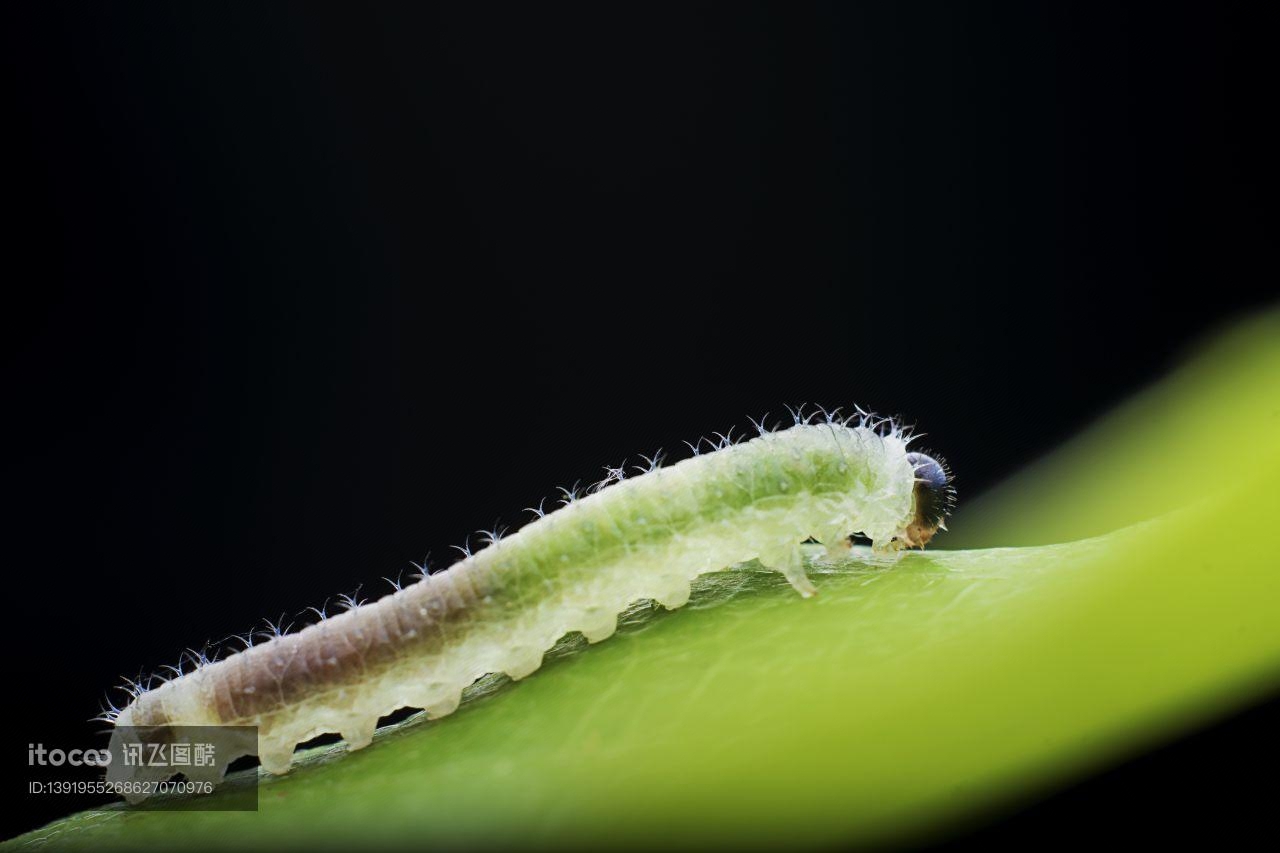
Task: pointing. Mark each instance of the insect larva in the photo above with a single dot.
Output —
(575, 569)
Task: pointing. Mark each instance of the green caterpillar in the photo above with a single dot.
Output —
(575, 569)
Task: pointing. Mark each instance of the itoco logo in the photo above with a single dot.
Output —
(38, 755)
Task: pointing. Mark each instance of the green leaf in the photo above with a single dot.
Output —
(902, 697)
(1212, 422)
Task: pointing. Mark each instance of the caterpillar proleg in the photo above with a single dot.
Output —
(498, 610)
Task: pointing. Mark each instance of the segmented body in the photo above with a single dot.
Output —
(575, 569)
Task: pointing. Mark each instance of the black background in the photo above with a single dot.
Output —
(299, 293)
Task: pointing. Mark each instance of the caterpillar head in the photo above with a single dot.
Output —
(934, 499)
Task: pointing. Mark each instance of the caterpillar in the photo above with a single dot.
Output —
(499, 609)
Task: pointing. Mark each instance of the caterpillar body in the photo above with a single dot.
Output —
(575, 569)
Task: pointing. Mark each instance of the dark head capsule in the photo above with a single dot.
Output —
(935, 498)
